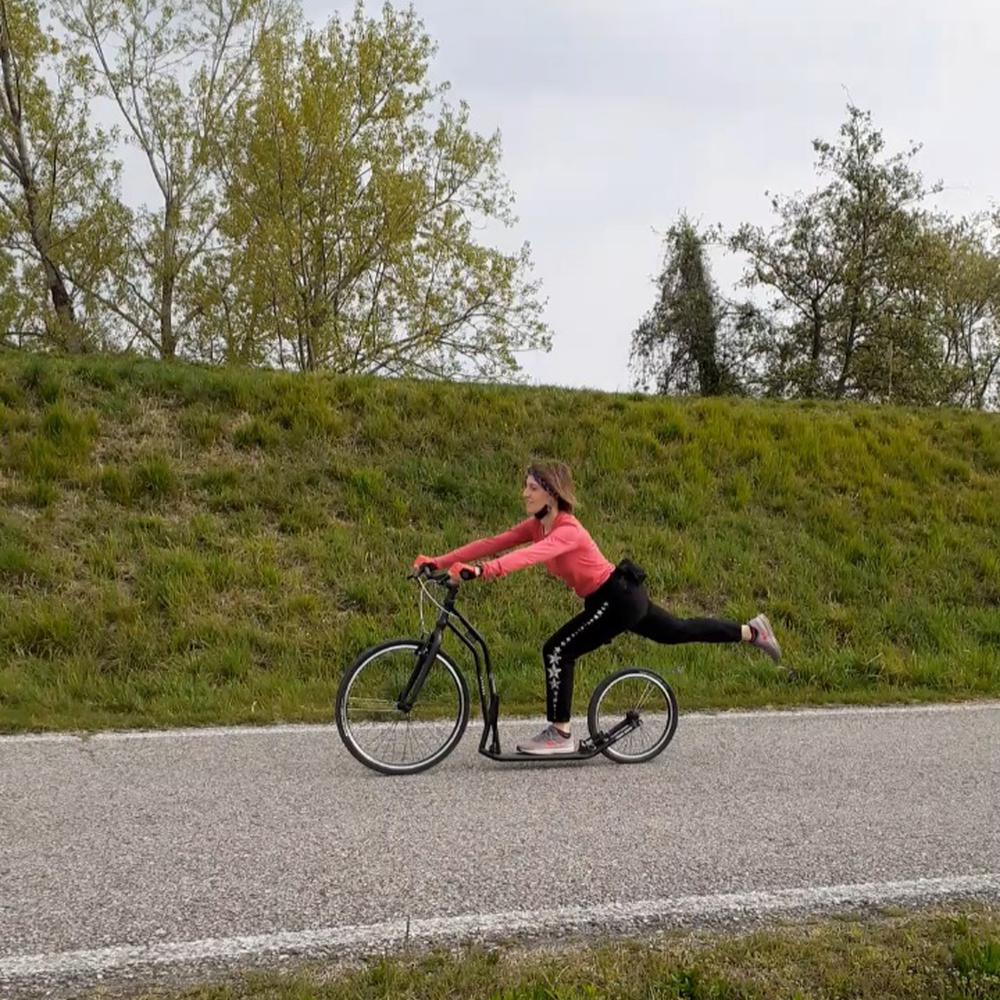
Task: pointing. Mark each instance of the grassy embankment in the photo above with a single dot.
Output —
(181, 546)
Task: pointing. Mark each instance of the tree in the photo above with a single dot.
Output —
(676, 345)
(800, 262)
(964, 306)
(174, 70)
(844, 263)
(352, 191)
(55, 183)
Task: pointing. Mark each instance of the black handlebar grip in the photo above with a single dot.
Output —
(468, 574)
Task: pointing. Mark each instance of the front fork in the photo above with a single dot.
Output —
(411, 692)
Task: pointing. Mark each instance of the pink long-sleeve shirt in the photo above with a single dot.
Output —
(567, 552)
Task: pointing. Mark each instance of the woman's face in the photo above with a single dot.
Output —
(535, 498)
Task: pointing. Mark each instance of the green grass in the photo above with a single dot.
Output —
(928, 956)
(186, 545)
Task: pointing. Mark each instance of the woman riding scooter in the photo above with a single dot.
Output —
(615, 599)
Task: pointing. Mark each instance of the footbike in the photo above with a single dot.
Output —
(403, 705)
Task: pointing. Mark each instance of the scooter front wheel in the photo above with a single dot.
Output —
(393, 739)
(638, 704)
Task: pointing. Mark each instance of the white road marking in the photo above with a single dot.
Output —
(305, 729)
(424, 930)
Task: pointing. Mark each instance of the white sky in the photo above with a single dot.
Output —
(618, 114)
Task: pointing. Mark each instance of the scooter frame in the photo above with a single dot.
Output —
(489, 698)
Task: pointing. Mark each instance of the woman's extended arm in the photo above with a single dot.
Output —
(517, 535)
(562, 539)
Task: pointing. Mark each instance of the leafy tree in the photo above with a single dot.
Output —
(352, 194)
(963, 258)
(843, 264)
(676, 346)
(174, 69)
(800, 263)
(55, 184)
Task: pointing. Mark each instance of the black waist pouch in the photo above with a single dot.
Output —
(628, 570)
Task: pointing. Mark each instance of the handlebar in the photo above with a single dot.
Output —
(431, 572)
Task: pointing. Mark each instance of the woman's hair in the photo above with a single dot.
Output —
(555, 478)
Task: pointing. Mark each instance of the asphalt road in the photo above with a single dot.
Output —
(162, 855)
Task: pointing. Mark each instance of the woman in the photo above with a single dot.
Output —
(614, 598)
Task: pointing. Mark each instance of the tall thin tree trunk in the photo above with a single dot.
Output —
(168, 281)
(811, 389)
(168, 341)
(66, 329)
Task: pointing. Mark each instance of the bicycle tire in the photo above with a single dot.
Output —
(350, 733)
(598, 726)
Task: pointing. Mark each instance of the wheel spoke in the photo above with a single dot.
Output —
(645, 695)
(373, 705)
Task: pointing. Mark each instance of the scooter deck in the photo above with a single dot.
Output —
(534, 758)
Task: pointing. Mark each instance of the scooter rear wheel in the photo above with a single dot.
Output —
(642, 698)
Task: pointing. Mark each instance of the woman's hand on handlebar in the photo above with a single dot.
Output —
(428, 566)
(463, 571)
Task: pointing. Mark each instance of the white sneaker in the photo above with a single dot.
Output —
(764, 637)
(548, 741)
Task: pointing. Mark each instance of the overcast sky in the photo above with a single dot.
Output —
(616, 116)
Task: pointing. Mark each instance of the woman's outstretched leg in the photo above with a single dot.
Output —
(661, 626)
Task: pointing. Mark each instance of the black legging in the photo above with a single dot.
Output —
(619, 605)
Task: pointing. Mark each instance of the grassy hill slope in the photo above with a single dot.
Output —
(181, 545)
